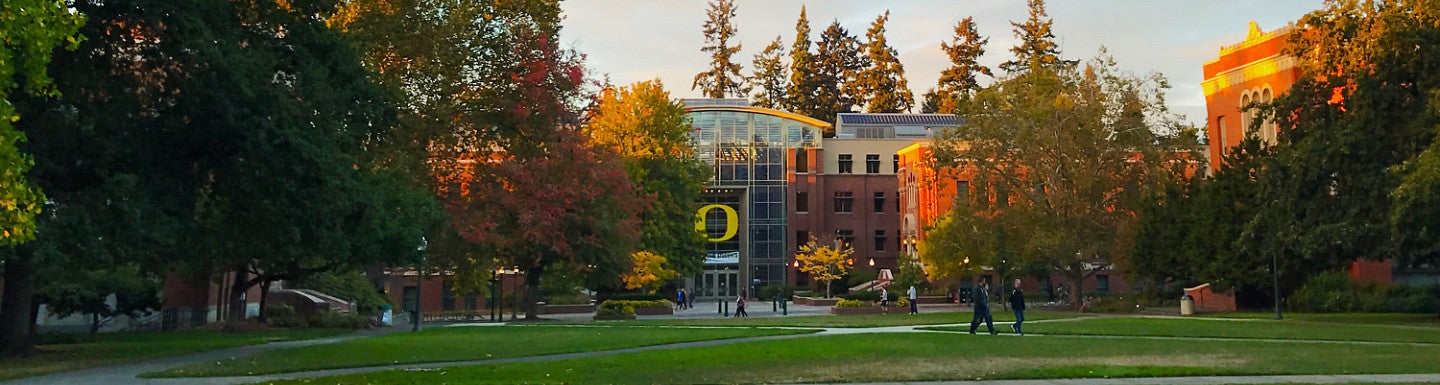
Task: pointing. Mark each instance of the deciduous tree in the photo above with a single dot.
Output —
(824, 262)
(649, 272)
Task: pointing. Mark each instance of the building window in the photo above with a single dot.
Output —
(1220, 122)
(962, 190)
(872, 163)
(408, 297)
(844, 201)
(802, 237)
(845, 167)
(802, 202)
(802, 160)
(846, 237)
(897, 202)
(447, 295)
(879, 240)
(1102, 283)
(895, 164)
(899, 242)
(879, 202)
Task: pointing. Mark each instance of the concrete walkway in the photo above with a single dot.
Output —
(127, 374)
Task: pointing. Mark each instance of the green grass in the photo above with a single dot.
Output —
(1283, 329)
(851, 321)
(459, 344)
(931, 357)
(1412, 319)
(109, 349)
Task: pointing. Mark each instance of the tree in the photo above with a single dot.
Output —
(959, 81)
(649, 272)
(838, 62)
(1037, 47)
(32, 29)
(589, 228)
(651, 134)
(800, 93)
(1066, 154)
(770, 77)
(824, 263)
(723, 77)
(883, 83)
(1337, 188)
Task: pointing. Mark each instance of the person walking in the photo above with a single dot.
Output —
(740, 305)
(680, 299)
(884, 300)
(980, 299)
(689, 299)
(1017, 303)
(913, 297)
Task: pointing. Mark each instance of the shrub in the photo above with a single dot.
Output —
(849, 303)
(614, 308)
(903, 302)
(351, 286)
(338, 320)
(633, 297)
(870, 295)
(635, 304)
(567, 299)
(282, 315)
(1335, 292)
(768, 292)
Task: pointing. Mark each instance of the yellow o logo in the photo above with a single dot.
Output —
(732, 222)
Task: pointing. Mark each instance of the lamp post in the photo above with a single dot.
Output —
(495, 293)
(515, 271)
(419, 286)
(1275, 266)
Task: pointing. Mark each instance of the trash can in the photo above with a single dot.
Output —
(385, 315)
(1187, 305)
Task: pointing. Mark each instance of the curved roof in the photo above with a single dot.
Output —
(763, 111)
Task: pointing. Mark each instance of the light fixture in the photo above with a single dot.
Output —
(872, 262)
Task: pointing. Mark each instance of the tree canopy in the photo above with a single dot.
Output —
(770, 77)
(882, 85)
(723, 78)
(1036, 47)
(960, 80)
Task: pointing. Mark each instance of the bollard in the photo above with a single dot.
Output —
(725, 304)
(719, 304)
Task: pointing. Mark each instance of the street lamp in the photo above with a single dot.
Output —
(495, 293)
(1275, 265)
(514, 270)
(419, 285)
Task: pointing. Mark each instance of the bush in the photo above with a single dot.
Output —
(870, 295)
(338, 320)
(615, 308)
(567, 299)
(849, 303)
(635, 304)
(768, 292)
(282, 315)
(633, 297)
(1335, 292)
(903, 302)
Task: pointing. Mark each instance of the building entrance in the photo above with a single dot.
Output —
(718, 283)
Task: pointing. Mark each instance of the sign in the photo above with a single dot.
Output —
(732, 222)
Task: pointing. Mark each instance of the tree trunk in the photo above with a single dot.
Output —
(264, 296)
(16, 310)
(237, 297)
(94, 323)
(532, 292)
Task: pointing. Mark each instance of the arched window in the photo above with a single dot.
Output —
(1267, 129)
(1245, 113)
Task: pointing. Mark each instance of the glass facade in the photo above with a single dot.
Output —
(747, 147)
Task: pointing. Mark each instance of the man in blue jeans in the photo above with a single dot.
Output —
(1017, 303)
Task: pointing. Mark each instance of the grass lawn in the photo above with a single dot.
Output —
(932, 357)
(110, 349)
(1283, 329)
(851, 321)
(459, 344)
(1352, 318)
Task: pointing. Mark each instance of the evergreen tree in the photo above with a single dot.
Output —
(769, 77)
(838, 64)
(800, 93)
(883, 83)
(959, 81)
(723, 77)
(1037, 46)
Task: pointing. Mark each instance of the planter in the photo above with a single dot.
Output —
(654, 310)
(811, 301)
(856, 310)
(566, 309)
(617, 317)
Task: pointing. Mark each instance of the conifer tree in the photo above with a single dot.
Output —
(1037, 46)
(769, 77)
(800, 93)
(838, 65)
(883, 84)
(723, 77)
(959, 81)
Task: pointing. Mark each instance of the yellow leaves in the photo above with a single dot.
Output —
(649, 271)
(1064, 102)
(824, 262)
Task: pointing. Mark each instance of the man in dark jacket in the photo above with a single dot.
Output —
(1017, 303)
(980, 300)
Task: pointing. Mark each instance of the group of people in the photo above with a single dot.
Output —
(885, 299)
(684, 299)
(980, 297)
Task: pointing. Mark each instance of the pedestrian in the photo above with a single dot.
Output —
(680, 299)
(740, 306)
(689, 299)
(884, 300)
(912, 293)
(1017, 303)
(981, 303)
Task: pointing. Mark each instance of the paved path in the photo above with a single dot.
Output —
(127, 374)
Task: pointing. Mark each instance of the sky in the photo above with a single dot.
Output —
(635, 40)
